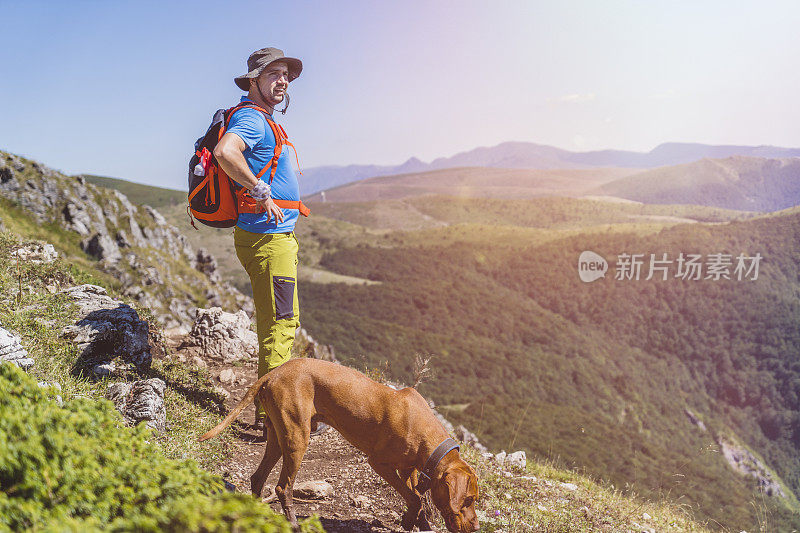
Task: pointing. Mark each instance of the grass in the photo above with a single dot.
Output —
(545, 498)
(39, 314)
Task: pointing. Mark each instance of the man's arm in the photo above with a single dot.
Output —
(230, 156)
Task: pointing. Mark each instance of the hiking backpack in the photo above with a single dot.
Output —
(215, 199)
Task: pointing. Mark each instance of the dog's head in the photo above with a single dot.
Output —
(454, 494)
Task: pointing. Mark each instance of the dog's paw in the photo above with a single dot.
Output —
(423, 524)
(408, 521)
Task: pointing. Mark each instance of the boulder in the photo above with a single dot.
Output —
(11, 350)
(107, 329)
(140, 401)
(220, 335)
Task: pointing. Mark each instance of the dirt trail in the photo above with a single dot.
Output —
(329, 458)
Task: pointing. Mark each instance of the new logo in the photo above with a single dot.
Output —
(591, 266)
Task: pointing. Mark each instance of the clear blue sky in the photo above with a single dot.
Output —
(123, 88)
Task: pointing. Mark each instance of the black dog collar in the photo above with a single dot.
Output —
(424, 481)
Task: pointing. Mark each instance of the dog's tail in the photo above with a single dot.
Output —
(247, 400)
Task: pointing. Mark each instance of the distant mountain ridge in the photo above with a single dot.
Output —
(736, 182)
(531, 155)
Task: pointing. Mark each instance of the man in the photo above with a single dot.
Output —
(265, 242)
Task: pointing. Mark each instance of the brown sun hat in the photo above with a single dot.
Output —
(260, 59)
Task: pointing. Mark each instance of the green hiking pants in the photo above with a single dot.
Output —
(270, 260)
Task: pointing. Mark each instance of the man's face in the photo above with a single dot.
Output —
(273, 82)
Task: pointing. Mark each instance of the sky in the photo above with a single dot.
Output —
(123, 89)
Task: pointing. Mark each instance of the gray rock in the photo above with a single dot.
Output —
(500, 458)
(16, 162)
(141, 401)
(313, 490)
(517, 460)
(136, 231)
(104, 369)
(226, 376)
(11, 350)
(107, 329)
(361, 502)
(743, 460)
(157, 217)
(2, 226)
(36, 253)
(8, 179)
(207, 264)
(77, 218)
(101, 246)
(221, 335)
(468, 437)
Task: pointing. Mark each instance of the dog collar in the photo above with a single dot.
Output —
(424, 482)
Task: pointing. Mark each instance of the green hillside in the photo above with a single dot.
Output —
(737, 182)
(599, 375)
(141, 194)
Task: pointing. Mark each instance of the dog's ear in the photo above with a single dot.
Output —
(458, 484)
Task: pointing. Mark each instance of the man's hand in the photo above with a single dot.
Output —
(271, 210)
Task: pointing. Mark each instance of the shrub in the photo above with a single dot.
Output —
(79, 468)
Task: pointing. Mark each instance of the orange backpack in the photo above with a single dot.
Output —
(214, 198)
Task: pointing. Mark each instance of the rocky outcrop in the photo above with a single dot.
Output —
(219, 335)
(140, 401)
(11, 350)
(306, 346)
(100, 246)
(744, 461)
(106, 330)
(467, 437)
(168, 275)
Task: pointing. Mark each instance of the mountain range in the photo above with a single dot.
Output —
(539, 156)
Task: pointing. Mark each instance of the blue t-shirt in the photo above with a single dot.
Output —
(252, 127)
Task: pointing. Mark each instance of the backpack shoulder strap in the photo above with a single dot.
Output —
(277, 131)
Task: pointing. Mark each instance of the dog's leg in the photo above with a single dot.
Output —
(409, 477)
(294, 439)
(414, 516)
(272, 452)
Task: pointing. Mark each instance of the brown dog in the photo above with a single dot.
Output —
(395, 429)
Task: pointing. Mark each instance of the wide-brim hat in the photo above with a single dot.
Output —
(261, 59)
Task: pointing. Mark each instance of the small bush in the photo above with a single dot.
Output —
(79, 468)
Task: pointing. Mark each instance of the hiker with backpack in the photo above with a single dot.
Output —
(240, 175)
